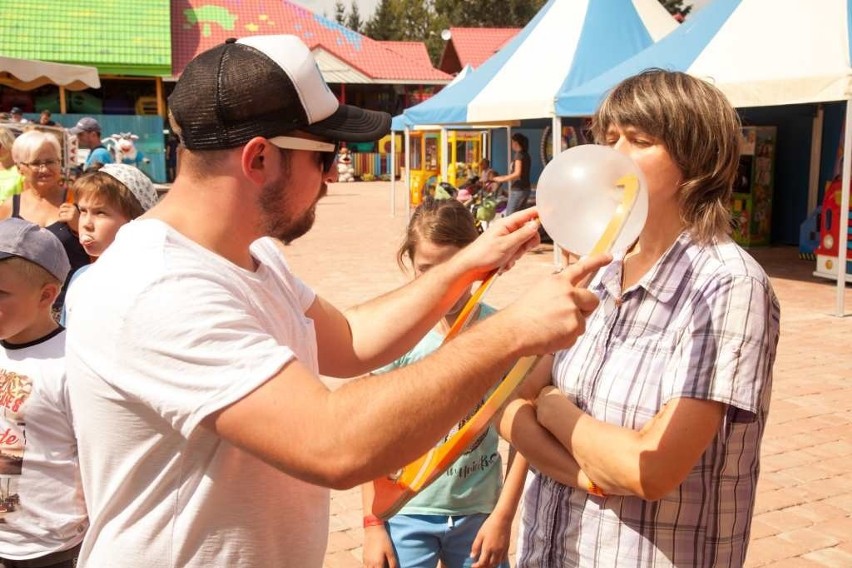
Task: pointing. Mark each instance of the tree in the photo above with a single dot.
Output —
(423, 20)
(676, 7)
(339, 13)
(353, 22)
(383, 24)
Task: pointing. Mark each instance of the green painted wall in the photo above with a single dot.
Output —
(122, 37)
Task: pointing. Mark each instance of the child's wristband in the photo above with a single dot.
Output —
(372, 521)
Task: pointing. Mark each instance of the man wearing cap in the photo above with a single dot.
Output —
(207, 437)
(88, 133)
(42, 513)
(17, 115)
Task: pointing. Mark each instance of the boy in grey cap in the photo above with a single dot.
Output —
(42, 512)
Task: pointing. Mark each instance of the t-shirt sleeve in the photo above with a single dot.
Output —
(271, 253)
(190, 347)
(727, 350)
(101, 155)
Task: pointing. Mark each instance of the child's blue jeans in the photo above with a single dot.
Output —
(421, 540)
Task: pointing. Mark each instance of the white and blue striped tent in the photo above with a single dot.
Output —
(759, 53)
(567, 43)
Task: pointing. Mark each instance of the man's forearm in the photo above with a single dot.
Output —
(387, 327)
(387, 421)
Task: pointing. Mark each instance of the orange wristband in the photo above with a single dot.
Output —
(372, 521)
(594, 489)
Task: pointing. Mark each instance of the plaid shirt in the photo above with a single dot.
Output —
(703, 323)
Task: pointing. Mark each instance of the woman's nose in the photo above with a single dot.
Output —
(621, 145)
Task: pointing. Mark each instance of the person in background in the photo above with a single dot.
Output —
(88, 133)
(17, 115)
(11, 180)
(520, 187)
(44, 200)
(647, 445)
(42, 514)
(45, 119)
(464, 518)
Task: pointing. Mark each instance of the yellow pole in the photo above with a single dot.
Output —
(161, 102)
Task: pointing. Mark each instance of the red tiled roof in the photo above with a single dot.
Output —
(198, 25)
(411, 50)
(475, 45)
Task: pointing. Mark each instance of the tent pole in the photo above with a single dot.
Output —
(556, 146)
(844, 212)
(407, 172)
(816, 150)
(392, 163)
(63, 103)
(508, 151)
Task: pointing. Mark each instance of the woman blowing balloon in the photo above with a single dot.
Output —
(647, 445)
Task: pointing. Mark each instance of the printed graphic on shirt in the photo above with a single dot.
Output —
(14, 391)
(464, 470)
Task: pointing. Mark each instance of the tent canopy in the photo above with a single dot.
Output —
(802, 56)
(28, 74)
(566, 44)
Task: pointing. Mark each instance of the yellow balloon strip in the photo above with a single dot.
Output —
(393, 492)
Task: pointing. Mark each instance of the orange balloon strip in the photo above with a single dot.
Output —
(394, 491)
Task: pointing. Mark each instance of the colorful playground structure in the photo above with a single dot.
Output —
(465, 149)
(825, 222)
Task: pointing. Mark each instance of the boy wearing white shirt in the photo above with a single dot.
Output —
(42, 512)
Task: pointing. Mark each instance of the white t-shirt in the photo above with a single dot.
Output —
(164, 333)
(41, 499)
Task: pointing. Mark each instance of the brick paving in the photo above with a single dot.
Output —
(803, 515)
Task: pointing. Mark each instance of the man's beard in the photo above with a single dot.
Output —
(276, 220)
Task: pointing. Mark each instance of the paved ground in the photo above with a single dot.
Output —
(803, 515)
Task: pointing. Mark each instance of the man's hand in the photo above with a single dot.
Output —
(552, 314)
(501, 245)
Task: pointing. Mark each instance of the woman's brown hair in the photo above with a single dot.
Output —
(700, 130)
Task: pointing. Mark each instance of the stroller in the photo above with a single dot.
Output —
(486, 201)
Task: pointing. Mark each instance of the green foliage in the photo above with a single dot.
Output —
(423, 20)
(339, 13)
(353, 21)
(383, 24)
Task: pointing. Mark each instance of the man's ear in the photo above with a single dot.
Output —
(49, 293)
(252, 159)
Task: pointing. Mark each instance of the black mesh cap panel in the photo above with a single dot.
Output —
(229, 94)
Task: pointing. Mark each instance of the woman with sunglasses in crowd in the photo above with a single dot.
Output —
(44, 199)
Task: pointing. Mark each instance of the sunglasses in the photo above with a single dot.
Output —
(326, 151)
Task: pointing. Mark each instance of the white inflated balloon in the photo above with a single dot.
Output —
(577, 196)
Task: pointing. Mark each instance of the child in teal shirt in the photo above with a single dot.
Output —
(464, 518)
